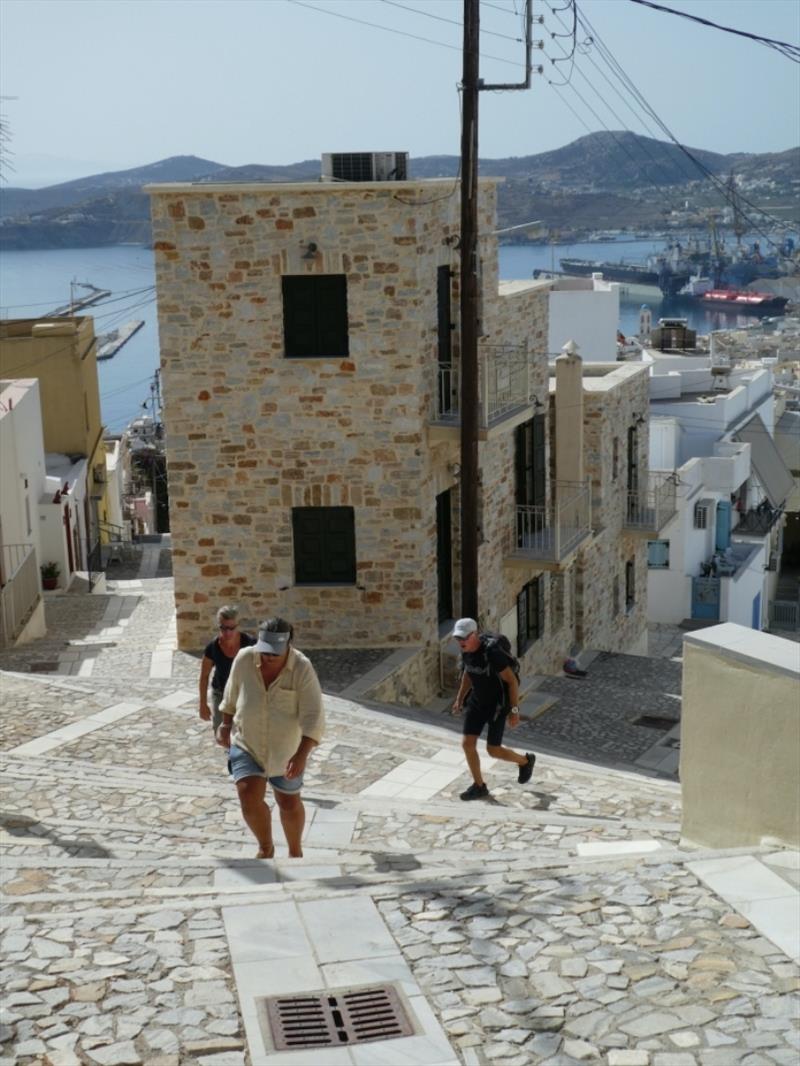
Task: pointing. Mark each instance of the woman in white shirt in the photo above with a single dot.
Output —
(272, 718)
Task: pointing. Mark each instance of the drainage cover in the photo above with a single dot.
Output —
(333, 1018)
(652, 721)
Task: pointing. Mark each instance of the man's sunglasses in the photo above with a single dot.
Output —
(228, 629)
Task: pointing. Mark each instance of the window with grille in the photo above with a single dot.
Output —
(658, 554)
(615, 459)
(324, 545)
(315, 316)
(615, 596)
(530, 614)
(701, 515)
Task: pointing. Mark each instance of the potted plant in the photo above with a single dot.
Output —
(50, 572)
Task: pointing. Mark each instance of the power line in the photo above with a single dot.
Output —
(399, 33)
(790, 51)
(452, 22)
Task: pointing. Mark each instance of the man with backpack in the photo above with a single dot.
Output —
(489, 692)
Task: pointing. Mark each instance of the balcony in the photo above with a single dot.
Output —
(503, 386)
(551, 533)
(20, 592)
(648, 510)
(758, 521)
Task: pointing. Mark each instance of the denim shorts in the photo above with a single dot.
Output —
(242, 764)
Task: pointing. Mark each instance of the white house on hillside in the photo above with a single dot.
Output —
(716, 560)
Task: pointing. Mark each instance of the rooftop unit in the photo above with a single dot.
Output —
(365, 166)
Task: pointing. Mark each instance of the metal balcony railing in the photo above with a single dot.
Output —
(503, 380)
(550, 532)
(21, 590)
(503, 385)
(647, 510)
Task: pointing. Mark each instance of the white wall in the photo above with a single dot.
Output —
(738, 592)
(589, 317)
(22, 470)
(114, 482)
(665, 436)
(54, 547)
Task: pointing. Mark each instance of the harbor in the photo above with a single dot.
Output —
(108, 344)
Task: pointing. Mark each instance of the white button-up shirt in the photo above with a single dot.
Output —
(269, 723)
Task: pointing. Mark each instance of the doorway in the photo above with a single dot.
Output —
(444, 556)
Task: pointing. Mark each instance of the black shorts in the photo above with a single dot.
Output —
(475, 719)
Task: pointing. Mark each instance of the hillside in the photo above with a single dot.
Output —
(611, 180)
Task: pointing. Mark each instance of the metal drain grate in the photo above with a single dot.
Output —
(333, 1018)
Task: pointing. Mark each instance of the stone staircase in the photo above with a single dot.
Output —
(558, 923)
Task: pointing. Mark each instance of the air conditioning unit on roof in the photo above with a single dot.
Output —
(365, 166)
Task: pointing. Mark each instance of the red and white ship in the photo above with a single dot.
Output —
(701, 291)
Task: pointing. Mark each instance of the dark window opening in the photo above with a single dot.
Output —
(315, 316)
(324, 545)
(531, 463)
(530, 614)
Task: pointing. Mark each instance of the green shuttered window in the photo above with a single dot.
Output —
(324, 545)
(315, 316)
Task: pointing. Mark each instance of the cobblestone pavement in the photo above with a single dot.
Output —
(560, 923)
(615, 714)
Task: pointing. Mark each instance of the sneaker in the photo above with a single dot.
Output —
(476, 792)
(526, 770)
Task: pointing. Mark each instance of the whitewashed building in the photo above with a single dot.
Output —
(22, 496)
(717, 559)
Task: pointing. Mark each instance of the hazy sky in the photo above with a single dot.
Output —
(109, 84)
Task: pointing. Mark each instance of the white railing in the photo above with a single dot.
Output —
(447, 398)
(551, 531)
(21, 590)
(649, 509)
(503, 385)
(785, 614)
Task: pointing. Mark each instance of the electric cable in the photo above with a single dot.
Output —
(452, 22)
(400, 33)
(790, 51)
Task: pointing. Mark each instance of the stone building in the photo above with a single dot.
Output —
(310, 358)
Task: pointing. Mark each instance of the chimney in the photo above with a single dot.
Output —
(569, 414)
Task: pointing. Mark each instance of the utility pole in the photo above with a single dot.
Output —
(470, 87)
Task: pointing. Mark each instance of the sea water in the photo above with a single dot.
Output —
(35, 282)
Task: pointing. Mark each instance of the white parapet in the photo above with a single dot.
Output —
(740, 738)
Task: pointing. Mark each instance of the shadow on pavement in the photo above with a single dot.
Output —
(20, 825)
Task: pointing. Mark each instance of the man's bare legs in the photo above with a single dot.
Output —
(256, 813)
(470, 746)
(496, 751)
(293, 819)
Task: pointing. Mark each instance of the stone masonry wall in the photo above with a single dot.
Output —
(251, 434)
(611, 404)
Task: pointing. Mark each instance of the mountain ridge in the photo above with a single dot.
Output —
(601, 179)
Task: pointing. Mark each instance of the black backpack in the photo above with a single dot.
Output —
(501, 641)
